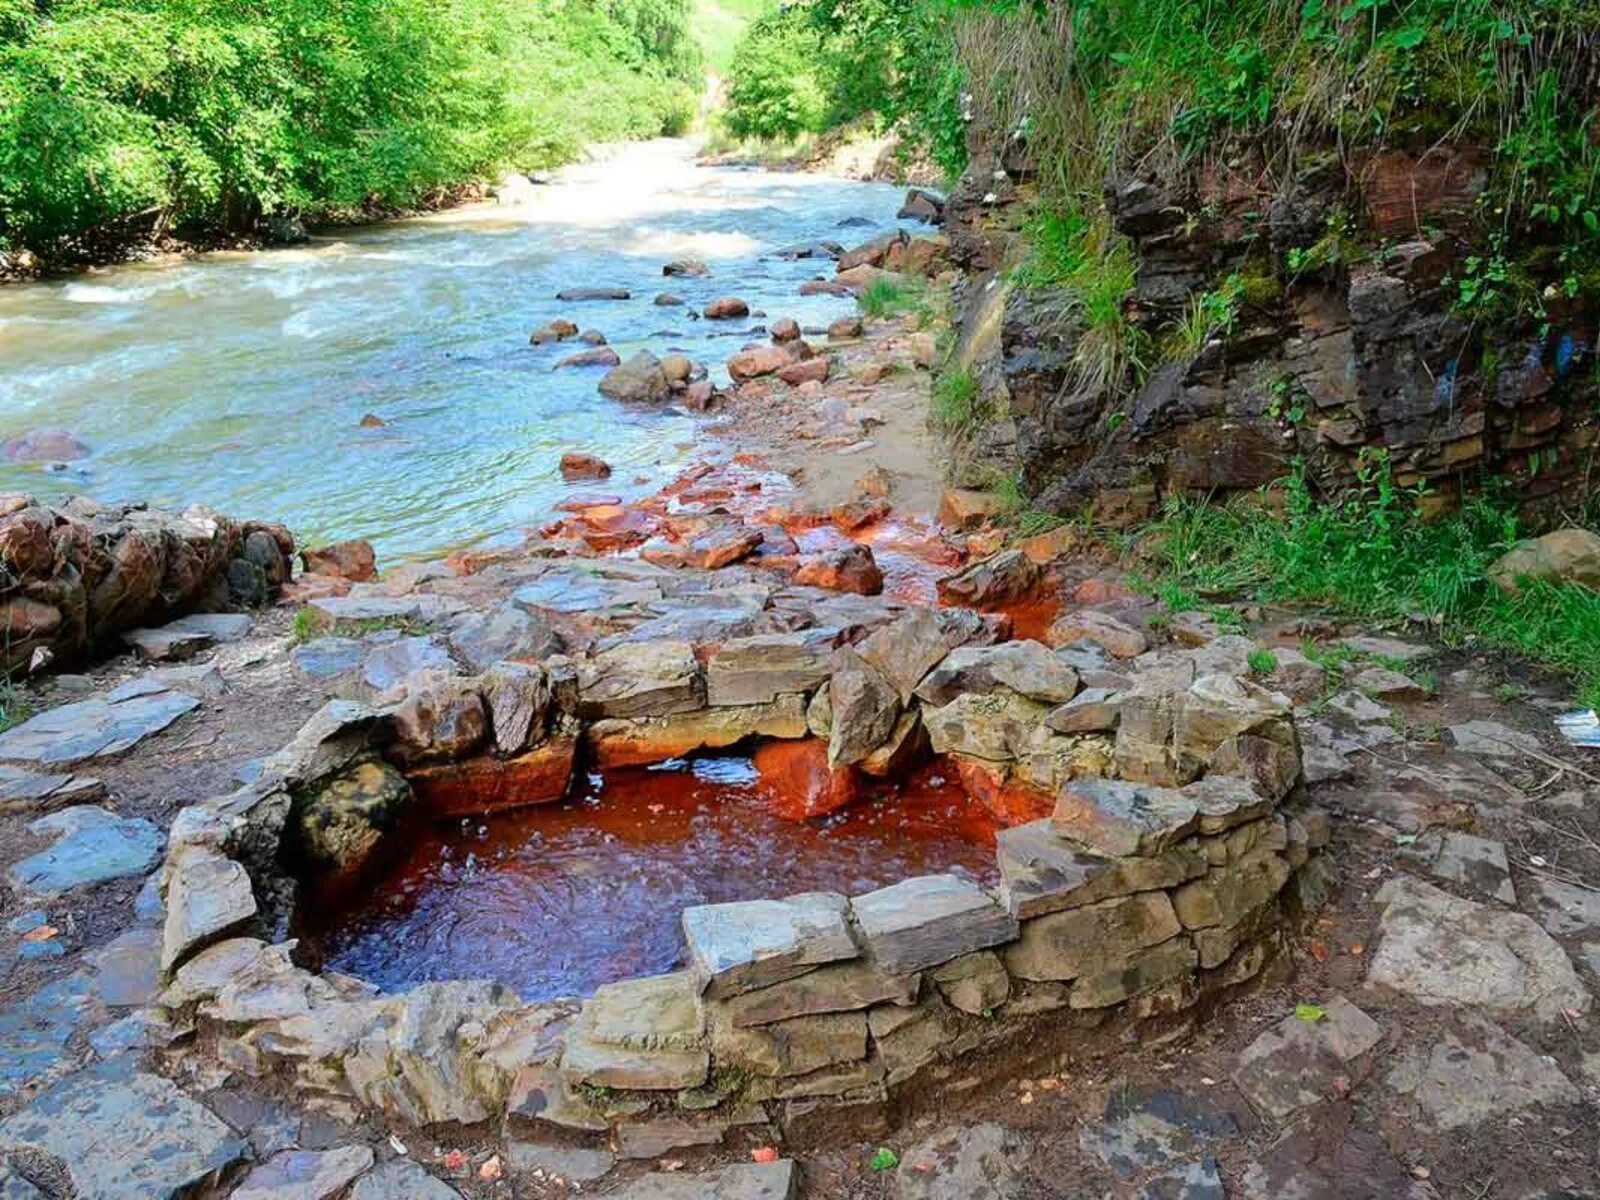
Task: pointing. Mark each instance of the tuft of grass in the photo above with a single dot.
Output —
(1262, 661)
(886, 297)
(309, 623)
(16, 705)
(1367, 555)
(955, 400)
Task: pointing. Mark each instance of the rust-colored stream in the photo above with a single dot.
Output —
(556, 900)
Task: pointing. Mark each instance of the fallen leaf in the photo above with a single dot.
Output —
(491, 1169)
(1318, 949)
(1357, 949)
(764, 1154)
(884, 1159)
(42, 934)
(1311, 1013)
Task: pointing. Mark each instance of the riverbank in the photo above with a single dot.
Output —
(1371, 958)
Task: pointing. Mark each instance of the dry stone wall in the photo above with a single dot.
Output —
(1168, 850)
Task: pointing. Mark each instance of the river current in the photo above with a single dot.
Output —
(240, 380)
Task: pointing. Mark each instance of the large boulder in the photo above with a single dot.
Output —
(640, 380)
(1565, 556)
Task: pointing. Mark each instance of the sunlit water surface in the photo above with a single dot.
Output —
(240, 380)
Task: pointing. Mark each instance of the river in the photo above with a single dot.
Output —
(240, 380)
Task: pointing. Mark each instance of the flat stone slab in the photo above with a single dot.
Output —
(744, 1181)
(1443, 950)
(126, 1135)
(1474, 862)
(187, 636)
(34, 1032)
(1192, 1181)
(930, 919)
(1149, 1130)
(979, 1162)
(97, 727)
(92, 846)
(752, 943)
(1564, 908)
(304, 1174)
(1295, 1064)
(1382, 648)
(574, 1164)
(579, 591)
(128, 968)
(209, 895)
(1118, 819)
(401, 1179)
(1329, 1159)
(646, 1033)
(1028, 668)
(32, 792)
(1041, 872)
(1490, 739)
(15, 1187)
(1476, 1074)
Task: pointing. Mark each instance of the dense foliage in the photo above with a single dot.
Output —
(813, 66)
(220, 111)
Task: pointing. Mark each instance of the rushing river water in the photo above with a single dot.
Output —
(240, 380)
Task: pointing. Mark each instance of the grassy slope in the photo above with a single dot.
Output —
(717, 24)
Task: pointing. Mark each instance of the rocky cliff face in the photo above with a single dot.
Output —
(1360, 350)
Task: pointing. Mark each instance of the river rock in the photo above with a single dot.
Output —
(686, 268)
(1301, 1060)
(126, 1135)
(810, 370)
(845, 329)
(640, 380)
(304, 1174)
(43, 446)
(1119, 639)
(583, 466)
(906, 649)
(1001, 578)
(353, 560)
(994, 728)
(482, 639)
(1117, 818)
(850, 569)
(756, 361)
(595, 356)
(922, 205)
(726, 308)
(91, 845)
(555, 331)
(757, 670)
(930, 919)
(593, 293)
(750, 944)
(651, 679)
(785, 329)
(97, 727)
(1443, 950)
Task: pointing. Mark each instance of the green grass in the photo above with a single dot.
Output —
(1366, 556)
(16, 705)
(955, 400)
(717, 25)
(1262, 661)
(895, 297)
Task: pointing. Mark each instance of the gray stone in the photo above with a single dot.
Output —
(480, 640)
(978, 1162)
(1087, 940)
(1193, 1181)
(1490, 739)
(752, 943)
(646, 1033)
(34, 1032)
(1391, 686)
(128, 968)
(1443, 950)
(29, 792)
(1382, 648)
(906, 649)
(1564, 908)
(839, 987)
(401, 1179)
(1150, 1130)
(1478, 864)
(1329, 1159)
(1225, 895)
(208, 897)
(1093, 710)
(757, 670)
(582, 588)
(91, 846)
(798, 1046)
(125, 1135)
(652, 679)
(1478, 1073)
(98, 727)
(1113, 981)
(744, 1181)
(922, 922)
(1296, 1063)
(976, 984)
(187, 636)
(391, 660)
(1118, 819)
(659, 1136)
(1028, 668)
(865, 707)
(574, 1164)
(995, 728)
(1042, 873)
(304, 1174)
(15, 1187)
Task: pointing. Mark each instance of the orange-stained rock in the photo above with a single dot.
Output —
(303, 589)
(723, 545)
(962, 509)
(634, 742)
(985, 543)
(584, 466)
(486, 784)
(799, 783)
(1101, 591)
(808, 370)
(851, 569)
(352, 560)
(1043, 548)
(726, 308)
(579, 501)
(853, 514)
(1010, 800)
(758, 361)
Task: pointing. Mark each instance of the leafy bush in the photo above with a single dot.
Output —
(777, 86)
(173, 111)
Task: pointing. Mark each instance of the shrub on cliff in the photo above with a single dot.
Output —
(174, 111)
